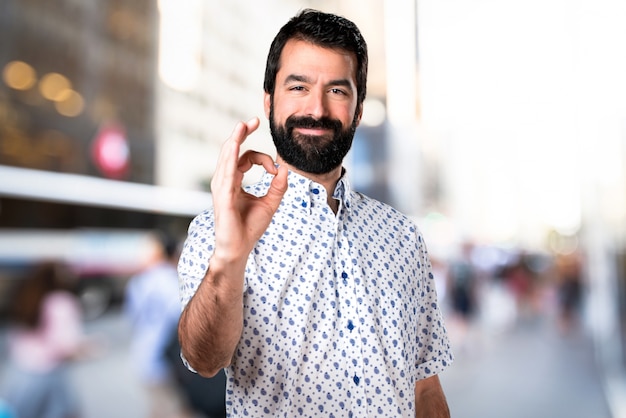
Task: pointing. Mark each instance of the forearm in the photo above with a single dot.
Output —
(430, 400)
(432, 407)
(211, 324)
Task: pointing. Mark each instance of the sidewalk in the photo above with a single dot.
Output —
(528, 371)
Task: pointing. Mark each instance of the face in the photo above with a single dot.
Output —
(313, 111)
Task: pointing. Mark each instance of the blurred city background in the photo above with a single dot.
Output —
(499, 126)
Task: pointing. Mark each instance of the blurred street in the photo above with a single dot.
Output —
(527, 371)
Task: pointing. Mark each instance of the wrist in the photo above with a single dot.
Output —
(226, 272)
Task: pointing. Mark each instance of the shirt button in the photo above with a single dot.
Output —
(356, 379)
(344, 276)
(350, 325)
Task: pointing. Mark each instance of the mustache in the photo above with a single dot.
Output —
(308, 122)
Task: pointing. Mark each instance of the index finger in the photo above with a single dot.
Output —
(243, 129)
(250, 158)
(230, 148)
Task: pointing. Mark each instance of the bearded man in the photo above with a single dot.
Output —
(317, 300)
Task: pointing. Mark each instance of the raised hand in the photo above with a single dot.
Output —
(241, 218)
(211, 323)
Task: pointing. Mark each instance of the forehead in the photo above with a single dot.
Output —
(302, 57)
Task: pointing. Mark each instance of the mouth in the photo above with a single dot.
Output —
(312, 128)
(312, 131)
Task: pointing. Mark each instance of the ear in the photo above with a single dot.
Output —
(267, 102)
(359, 114)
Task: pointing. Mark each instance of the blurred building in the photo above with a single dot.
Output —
(77, 141)
(77, 93)
(77, 96)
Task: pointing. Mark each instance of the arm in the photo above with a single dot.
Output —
(211, 324)
(62, 322)
(430, 401)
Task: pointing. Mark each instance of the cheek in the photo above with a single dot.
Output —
(346, 116)
(287, 108)
(342, 110)
(281, 115)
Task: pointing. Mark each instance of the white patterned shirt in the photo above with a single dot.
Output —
(341, 316)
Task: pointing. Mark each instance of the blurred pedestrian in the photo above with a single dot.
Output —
(521, 283)
(153, 307)
(462, 288)
(45, 335)
(569, 290)
(205, 396)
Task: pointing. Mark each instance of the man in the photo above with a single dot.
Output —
(317, 300)
(153, 311)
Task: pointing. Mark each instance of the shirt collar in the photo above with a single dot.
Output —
(306, 193)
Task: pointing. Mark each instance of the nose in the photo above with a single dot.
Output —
(315, 105)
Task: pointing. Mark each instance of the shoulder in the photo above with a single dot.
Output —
(363, 205)
(367, 212)
(203, 218)
(201, 222)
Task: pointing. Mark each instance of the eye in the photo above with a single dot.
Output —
(297, 88)
(338, 91)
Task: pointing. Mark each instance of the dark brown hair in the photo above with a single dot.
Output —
(325, 30)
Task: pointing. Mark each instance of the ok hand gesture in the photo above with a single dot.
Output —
(241, 218)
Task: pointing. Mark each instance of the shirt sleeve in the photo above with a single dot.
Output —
(194, 260)
(435, 353)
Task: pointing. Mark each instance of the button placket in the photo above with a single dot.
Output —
(350, 314)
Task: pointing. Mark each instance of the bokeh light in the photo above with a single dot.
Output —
(54, 86)
(19, 75)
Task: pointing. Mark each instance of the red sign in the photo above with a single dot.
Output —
(110, 151)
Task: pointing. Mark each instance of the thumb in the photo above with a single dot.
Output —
(278, 187)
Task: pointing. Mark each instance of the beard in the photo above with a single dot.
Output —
(315, 154)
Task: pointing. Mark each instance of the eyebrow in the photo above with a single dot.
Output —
(304, 79)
